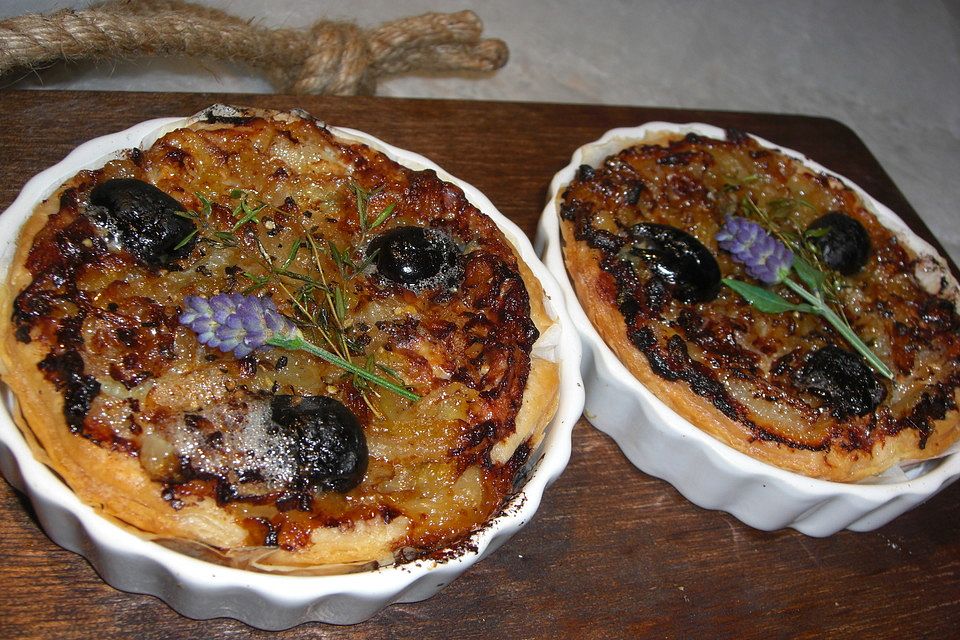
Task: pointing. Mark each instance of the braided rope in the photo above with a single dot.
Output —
(336, 58)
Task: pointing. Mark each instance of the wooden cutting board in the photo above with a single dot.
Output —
(612, 552)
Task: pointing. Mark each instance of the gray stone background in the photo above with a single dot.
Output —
(888, 69)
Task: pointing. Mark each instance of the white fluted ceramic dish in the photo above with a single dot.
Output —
(199, 589)
(706, 471)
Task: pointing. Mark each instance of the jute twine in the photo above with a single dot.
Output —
(336, 58)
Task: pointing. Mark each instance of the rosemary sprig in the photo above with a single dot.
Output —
(775, 219)
(303, 345)
(771, 261)
(243, 324)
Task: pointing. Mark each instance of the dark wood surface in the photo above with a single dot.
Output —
(612, 552)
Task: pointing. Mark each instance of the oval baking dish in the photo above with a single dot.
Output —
(708, 472)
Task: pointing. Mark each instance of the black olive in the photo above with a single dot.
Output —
(845, 246)
(585, 172)
(416, 258)
(144, 219)
(329, 444)
(678, 259)
(843, 380)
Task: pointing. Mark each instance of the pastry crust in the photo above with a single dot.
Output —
(774, 432)
(394, 514)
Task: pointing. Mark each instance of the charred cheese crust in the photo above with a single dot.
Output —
(727, 367)
(104, 374)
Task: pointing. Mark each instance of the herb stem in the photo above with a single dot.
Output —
(298, 342)
(320, 305)
(342, 348)
(306, 312)
(828, 314)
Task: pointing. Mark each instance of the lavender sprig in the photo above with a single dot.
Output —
(234, 322)
(770, 261)
(765, 258)
(243, 324)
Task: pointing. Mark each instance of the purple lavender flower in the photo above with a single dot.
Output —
(234, 322)
(766, 258)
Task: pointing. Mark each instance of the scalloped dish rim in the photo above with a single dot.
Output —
(863, 498)
(283, 600)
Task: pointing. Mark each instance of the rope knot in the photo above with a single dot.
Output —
(329, 58)
(336, 62)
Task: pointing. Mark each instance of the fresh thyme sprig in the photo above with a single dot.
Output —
(363, 201)
(209, 233)
(244, 210)
(320, 304)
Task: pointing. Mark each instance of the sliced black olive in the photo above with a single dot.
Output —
(417, 258)
(845, 244)
(329, 444)
(843, 380)
(678, 259)
(144, 220)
